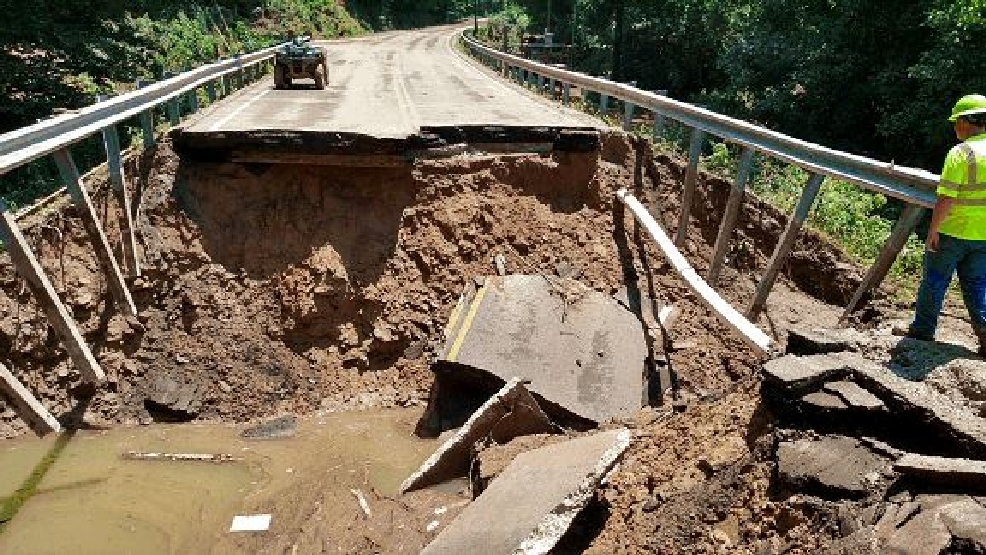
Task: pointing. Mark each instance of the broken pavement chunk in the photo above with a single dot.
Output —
(854, 395)
(531, 505)
(802, 374)
(964, 473)
(817, 341)
(495, 417)
(833, 465)
(580, 350)
(824, 401)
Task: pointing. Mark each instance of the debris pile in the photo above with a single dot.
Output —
(901, 463)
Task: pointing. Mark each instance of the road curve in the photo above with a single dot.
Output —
(389, 85)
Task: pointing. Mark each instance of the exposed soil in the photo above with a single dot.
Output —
(286, 289)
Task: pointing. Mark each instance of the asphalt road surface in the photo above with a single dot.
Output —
(389, 85)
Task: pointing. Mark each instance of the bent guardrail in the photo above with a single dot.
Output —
(915, 187)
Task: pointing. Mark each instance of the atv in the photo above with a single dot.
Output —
(298, 59)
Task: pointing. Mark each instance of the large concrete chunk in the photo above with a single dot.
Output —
(510, 413)
(964, 473)
(529, 507)
(854, 396)
(966, 520)
(962, 428)
(833, 465)
(579, 349)
(801, 374)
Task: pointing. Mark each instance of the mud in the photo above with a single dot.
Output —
(274, 289)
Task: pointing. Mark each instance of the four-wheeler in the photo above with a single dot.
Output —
(298, 59)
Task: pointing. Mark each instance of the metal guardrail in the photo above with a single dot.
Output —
(24, 145)
(911, 185)
(915, 187)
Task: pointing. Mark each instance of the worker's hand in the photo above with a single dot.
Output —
(931, 244)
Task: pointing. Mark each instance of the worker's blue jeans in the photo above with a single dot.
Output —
(953, 254)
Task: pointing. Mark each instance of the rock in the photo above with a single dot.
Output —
(415, 350)
(966, 520)
(861, 542)
(854, 395)
(171, 400)
(802, 374)
(925, 534)
(824, 401)
(834, 466)
(964, 473)
(275, 428)
(817, 341)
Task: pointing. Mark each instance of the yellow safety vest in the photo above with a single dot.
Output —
(964, 179)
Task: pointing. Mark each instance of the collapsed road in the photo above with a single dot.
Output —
(422, 248)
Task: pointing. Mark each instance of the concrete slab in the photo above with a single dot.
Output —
(512, 412)
(803, 374)
(819, 341)
(854, 395)
(579, 349)
(529, 507)
(834, 465)
(925, 534)
(964, 473)
(966, 520)
(824, 401)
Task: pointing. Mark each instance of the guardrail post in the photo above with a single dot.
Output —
(895, 243)
(146, 121)
(659, 120)
(688, 187)
(114, 161)
(628, 110)
(733, 206)
(210, 91)
(603, 103)
(566, 94)
(73, 181)
(193, 101)
(33, 412)
(785, 243)
(227, 85)
(31, 271)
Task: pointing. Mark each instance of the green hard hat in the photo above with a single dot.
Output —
(968, 105)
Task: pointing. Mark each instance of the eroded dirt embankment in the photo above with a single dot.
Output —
(279, 288)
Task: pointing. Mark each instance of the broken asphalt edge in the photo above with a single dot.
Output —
(556, 523)
(424, 476)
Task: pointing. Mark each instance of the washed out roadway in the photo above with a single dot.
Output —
(389, 85)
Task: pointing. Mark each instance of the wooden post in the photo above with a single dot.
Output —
(628, 109)
(603, 103)
(73, 181)
(733, 206)
(895, 243)
(227, 85)
(659, 120)
(566, 94)
(210, 91)
(31, 271)
(114, 161)
(32, 411)
(784, 244)
(193, 101)
(688, 187)
(146, 121)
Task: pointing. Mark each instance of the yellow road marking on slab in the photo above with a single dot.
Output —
(453, 353)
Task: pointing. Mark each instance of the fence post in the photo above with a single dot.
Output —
(73, 182)
(628, 110)
(146, 121)
(210, 91)
(895, 243)
(784, 244)
(114, 161)
(659, 120)
(603, 103)
(688, 187)
(566, 94)
(31, 271)
(733, 206)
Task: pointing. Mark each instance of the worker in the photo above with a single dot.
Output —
(957, 234)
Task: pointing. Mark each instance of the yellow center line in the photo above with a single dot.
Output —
(453, 353)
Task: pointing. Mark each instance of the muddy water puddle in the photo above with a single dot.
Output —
(92, 501)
